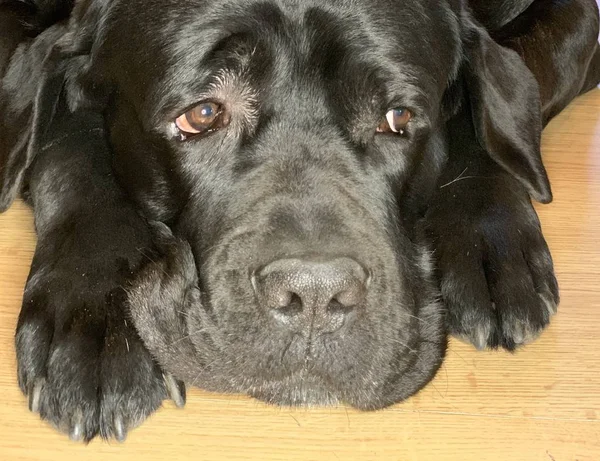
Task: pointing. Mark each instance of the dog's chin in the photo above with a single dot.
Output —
(300, 389)
(166, 309)
(309, 390)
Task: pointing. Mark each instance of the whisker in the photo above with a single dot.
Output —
(412, 351)
(153, 261)
(460, 177)
(196, 378)
(416, 318)
(184, 338)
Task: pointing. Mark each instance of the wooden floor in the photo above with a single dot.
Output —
(542, 404)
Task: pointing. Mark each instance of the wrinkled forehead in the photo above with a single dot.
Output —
(165, 40)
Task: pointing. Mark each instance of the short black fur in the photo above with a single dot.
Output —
(149, 247)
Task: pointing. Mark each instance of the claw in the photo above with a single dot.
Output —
(519, 333)
(119, 428)
(551, 305)
(175, 389)
(481, 336)
(35, 395)
(76, 432)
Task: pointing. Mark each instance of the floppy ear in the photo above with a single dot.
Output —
(31, 90)
(23, 134)
(506, 108)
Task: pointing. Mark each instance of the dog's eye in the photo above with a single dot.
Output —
(396, 121)
(204, 118)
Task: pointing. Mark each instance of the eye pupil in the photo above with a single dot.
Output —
(207, 110)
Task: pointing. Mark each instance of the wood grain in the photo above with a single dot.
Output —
(541, 404)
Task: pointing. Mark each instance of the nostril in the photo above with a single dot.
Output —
(275, 295)
(352, 296)
(293, 307)
(335, 307)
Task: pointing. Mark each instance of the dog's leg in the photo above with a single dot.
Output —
(80, 360)
(494, 265)
(495, 269)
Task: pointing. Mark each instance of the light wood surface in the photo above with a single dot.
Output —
(541, 404)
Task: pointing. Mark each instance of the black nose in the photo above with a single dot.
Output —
(312, 295)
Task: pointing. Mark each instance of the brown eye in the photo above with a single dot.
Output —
(204, 118)
(396, 121)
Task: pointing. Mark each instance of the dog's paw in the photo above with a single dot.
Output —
(82, 364)
(494, 266)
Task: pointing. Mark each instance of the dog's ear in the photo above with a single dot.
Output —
(24, 134)
(61, 70)
(506, 108)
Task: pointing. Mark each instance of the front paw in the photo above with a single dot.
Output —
(82, 364)
(495, 269)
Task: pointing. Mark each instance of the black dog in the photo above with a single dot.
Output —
(309, 159)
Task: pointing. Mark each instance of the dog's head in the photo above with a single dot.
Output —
(283, 140)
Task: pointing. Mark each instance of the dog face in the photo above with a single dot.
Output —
(283, 140)
(289, 133)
